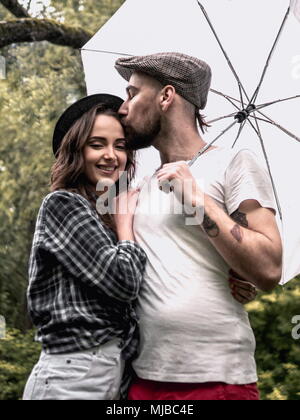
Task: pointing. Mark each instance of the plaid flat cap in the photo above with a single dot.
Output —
(190, 76)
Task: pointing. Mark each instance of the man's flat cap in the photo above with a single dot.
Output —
(190, 76)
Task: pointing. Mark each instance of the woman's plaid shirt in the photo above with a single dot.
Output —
(83, 283)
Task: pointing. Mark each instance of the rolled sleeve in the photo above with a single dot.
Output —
(247, 179)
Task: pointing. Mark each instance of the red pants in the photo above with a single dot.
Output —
(149, 390)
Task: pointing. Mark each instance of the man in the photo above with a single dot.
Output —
(196, 340)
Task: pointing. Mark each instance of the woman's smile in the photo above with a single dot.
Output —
(107, 170)
(105, 153)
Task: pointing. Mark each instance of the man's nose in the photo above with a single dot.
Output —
(123, 111)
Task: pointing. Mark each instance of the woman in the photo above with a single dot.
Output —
(85, 269)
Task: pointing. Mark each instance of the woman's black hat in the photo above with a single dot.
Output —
(75, 111)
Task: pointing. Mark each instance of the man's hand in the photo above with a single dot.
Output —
(242, 291)
(178, 176)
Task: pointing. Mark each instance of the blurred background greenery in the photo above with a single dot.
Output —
(42, 80)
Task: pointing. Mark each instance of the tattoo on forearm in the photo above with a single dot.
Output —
(237, 233)
(210, 227)
(213, 230)
(240, 218)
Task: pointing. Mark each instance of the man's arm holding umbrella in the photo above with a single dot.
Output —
(248, 239)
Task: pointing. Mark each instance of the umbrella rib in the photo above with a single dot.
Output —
(257, 109)
(221, 118)
(270, 121)
(213, 142)
(254, 97)
(106, 52)
(277, 102)
(258, 132)
(262, 119)
(241, 87)
(229, 98)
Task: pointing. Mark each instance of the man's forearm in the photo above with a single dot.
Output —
(249, 253)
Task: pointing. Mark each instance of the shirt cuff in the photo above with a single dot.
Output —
(134, 247)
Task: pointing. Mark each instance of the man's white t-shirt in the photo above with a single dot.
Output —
(192, 329)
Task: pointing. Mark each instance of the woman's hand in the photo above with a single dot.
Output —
(178, 178)
(242, 291)
(124, 210)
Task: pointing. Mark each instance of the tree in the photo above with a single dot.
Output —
(48, 24)
(27, 29)
(42, 80)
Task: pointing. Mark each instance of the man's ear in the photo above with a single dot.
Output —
(167, 97)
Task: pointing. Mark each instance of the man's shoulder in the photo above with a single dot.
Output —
(215, 160)
(245, 158)
(229, 156)
(228, 153)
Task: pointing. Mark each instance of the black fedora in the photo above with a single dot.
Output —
(75, 111)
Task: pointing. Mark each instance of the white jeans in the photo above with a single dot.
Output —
(94, 374)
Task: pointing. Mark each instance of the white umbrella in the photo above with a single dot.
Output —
(246, 31)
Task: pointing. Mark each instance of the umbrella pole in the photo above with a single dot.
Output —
(202, 151)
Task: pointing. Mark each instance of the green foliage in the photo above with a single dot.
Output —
(18, 354)
(41, 83)
(42, 80)
(278, 353)
(87, 14)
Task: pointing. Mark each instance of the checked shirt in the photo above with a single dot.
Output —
(83, 283)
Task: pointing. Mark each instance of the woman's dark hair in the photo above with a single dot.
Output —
(68, 172)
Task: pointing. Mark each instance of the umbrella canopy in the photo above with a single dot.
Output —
(247, 31)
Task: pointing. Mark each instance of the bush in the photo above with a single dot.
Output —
(18, 354)
(278, 353)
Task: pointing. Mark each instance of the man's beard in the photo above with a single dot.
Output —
(138, 140)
